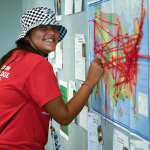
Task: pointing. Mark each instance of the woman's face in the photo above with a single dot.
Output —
(44, 37)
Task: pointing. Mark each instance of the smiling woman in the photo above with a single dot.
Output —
(29, 92)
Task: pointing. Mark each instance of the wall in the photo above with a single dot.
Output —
(10, 12)
(76, 24)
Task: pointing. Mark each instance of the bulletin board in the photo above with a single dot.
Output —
(77, 23)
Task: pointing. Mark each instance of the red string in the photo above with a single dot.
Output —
(123, 68)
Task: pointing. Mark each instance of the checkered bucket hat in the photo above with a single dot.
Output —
(39, 16)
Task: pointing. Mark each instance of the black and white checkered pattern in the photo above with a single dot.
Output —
(39, 16)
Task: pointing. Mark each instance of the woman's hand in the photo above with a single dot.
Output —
(95, 72)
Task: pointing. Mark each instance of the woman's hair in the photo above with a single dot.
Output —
(22, 44)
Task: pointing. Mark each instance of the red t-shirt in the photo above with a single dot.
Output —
(25, 86)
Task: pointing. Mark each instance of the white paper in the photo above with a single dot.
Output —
(63, 83)
(143, 104)
(78, 6)
(83, 118)
(51, 55)
(72, 89)
(80, 70)
(78, 53)
(58, 18)
(95, 140)
(55, 69)
(120, 141)
(64, 135)
(79, 62)
(138, 145)
(68, 7)
(59, 58)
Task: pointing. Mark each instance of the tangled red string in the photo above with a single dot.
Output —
(124, 66)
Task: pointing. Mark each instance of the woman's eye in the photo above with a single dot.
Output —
(42, 27)
(55, 28)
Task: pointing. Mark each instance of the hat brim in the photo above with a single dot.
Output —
(62, 29)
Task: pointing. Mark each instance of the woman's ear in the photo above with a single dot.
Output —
(27, 37)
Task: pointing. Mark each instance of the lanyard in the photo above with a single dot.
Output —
(55, 137)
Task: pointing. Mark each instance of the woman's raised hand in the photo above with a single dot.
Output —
(95, 72)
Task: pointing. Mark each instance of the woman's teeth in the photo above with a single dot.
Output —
(49, 40)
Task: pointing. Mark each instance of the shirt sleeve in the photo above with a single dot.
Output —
(42, 84)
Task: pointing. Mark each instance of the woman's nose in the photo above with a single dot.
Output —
(50, 30)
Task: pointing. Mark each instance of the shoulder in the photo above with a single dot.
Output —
(30, 57)
(31, 60)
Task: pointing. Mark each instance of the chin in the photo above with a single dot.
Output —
(49, 51)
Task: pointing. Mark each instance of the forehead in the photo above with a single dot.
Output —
(48, 26)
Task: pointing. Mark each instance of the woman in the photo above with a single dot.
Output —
(29, 92)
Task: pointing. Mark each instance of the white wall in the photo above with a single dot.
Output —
(28, 4)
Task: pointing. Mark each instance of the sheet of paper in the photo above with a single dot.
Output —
(58, 18)
(138, 145)
(83, 118)
(55, 69)
(143, 104)
(80, 70)
(68, 7)
(59, 52)
(95, 139)
(78, 6)
(72, 89)
(120, 141)
(51, 55)
(79, 61)
(63, 88)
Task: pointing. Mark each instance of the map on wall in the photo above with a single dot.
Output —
(119, 35)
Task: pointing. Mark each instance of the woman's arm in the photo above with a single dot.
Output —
(65, 113)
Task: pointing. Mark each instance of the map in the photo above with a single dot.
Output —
(130, 107)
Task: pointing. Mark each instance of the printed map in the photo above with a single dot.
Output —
(135, 119)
